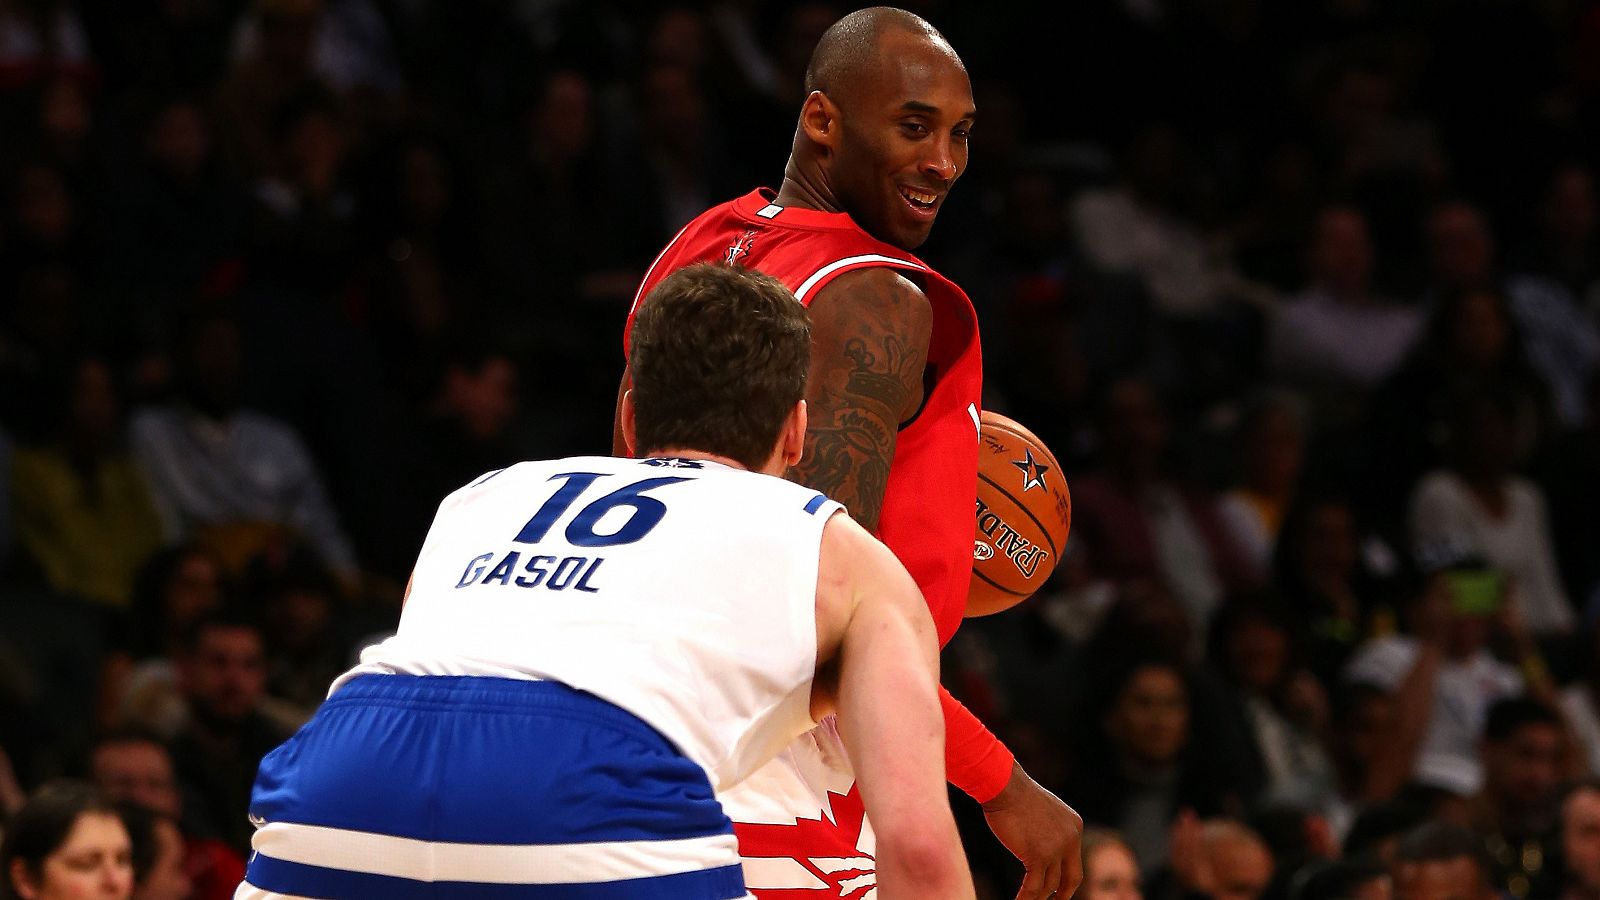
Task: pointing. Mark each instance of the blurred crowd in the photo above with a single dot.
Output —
(1305, 297)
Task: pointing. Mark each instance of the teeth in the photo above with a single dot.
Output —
(919, 196)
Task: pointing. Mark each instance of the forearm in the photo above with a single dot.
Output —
(975, 760)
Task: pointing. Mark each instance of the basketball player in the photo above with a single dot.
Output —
(893, 395)
(591, 647)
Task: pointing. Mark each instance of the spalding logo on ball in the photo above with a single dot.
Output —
(1024, 513)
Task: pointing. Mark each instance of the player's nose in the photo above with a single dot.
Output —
(939, 160)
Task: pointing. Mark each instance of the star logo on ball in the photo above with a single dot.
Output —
(1032, 472)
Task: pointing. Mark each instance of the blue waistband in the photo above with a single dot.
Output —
(479, 693)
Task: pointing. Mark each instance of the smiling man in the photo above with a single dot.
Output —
(894, 388)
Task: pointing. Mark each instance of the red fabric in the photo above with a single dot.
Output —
(825, 846)
(927, 508)
(933, 478)
(974, 759)
(213, 868)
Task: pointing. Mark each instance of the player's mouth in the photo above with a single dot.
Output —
(923, 203)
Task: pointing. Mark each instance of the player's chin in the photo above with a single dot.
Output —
(911, 235)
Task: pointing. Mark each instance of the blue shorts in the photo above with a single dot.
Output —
(453, 787)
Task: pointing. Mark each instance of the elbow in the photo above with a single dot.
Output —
(923, 863)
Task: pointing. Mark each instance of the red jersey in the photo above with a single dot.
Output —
(933, 478)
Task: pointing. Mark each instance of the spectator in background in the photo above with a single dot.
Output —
(1566, 246)
(158, 857)
(136, 767)
(302, 235)
(1140, 226)
(1317, 569)
(1443, 674)
(1478, 507)
(1282, 707)
(278, 63)
(1338, 337)
(176, 588)
(1140, 763)
(1560, 343)
(40, 39)
(1471, 348)
(1442, 861)
(83, 513)
(67, 841)
(1272, 440)
(235, 480)
(1376, 735)
(1138, 521)
(302, 627)
(1579, 836)
(222, 675)
(1109, 870)
(1580, 701)
(463, 434)
(1358, 879)
(1221, 859)
(1515, 812)
(175, 219)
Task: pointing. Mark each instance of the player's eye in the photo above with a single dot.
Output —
(916, 129)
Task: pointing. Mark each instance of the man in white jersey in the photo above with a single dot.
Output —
(592, 647)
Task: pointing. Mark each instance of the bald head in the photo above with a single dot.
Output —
(883, 130)
(848, 55)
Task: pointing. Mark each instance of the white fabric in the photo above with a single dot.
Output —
(398, 857)
(1250, 533)
(1318, 339)
(1578, 705)
(704, 626)
(1463, 691)
(1444, 513)
(817, 276)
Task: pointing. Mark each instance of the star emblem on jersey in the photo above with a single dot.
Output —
(740, 248)
(673, 462)
(1032, 472)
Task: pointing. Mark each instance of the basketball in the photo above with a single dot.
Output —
(1023, 515)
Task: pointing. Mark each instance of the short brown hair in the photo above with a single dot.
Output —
(718, 358)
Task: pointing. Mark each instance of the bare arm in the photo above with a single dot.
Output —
(869, 346)
(886, 650)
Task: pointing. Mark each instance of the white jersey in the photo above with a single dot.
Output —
(683, 591)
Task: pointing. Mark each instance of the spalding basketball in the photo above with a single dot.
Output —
(1024, 514)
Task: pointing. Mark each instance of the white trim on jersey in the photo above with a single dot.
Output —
(398, 857)
(648, 273)
(806, 286)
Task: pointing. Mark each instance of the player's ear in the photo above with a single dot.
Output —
(819, 119)
(794, 435)
(630, 437)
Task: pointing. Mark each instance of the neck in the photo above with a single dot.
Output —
(682, 453)
(804, 187)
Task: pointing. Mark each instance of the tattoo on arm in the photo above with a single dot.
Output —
(870, 346)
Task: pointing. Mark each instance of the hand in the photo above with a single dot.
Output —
(1186, 851)
(1042, 832)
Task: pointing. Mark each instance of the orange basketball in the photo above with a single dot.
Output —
(1024, 514)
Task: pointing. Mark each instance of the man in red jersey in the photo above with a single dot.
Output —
(893, 393)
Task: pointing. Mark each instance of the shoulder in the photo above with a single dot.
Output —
(850, 555)
(877, 291)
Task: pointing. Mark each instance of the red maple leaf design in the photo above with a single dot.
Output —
(825, 848)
